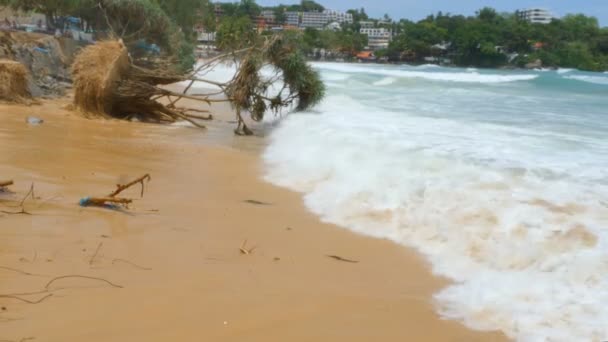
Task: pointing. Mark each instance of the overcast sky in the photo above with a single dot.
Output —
(418, 9)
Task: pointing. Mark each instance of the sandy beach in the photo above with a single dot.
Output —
(175, 253)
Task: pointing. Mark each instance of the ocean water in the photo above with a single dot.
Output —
(498, 178)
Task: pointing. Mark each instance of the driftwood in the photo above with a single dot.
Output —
(6, 183)
(339, 258)
(111, 201)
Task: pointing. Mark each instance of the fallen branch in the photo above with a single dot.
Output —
(80, 276)
(132, 264)
(339, 258)
(113, 202)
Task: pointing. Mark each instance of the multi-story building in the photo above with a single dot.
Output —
(377, 38)
(339, 17)
(536, 15)
(316, 20)
(268, 16)
(292, 18)
(367, 24)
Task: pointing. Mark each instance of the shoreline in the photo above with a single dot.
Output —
(184, 234)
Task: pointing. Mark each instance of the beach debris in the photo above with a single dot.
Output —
(4, 184)
(108, 82)
(339, 258)
(52, 281)
(21, 299)
(255, 202)
(246, 251)
(131, 263)
(95, 254)
(113, 202)
(32, 120)
(30, 193)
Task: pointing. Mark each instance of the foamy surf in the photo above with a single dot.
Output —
(432, 74)
(590, 79)
(385, 81)
(509, 200)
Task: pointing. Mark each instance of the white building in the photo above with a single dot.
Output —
(536, 15)
(292, 18)
(377, 38)
(269, 16)
(367, 24)
(316, 20)
(339, 17)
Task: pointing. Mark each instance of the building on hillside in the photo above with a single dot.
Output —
(536, 15)
(367, 24)
(268, 16)
(377, 38)
(316, 20)
(292, 18)
(339, 17)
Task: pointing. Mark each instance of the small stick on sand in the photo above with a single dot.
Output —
(26, 300)
(21, 204)
(95, 255)
(80, 276)
(339, 258)
(21, 272)
(132, 264)
(120, 188)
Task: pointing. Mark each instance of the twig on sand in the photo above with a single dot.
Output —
(26, 300)
(83, 277)
(111, 201)
(120, 188)
(6, 183)
(96, 252)
(132, 264)
(339, 258)
(244, 250)
(255, 202)
(21, 204)
(21, 272)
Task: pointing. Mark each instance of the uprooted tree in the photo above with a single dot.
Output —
(107, 82)
(110, 79)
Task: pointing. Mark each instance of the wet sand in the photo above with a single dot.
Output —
(176, 251)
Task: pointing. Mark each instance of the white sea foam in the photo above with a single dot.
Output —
(385, 81)
(517, 220)
(564, 70)
(589, 79)
(428, 66)
(452, 76)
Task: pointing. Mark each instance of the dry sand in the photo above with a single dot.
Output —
(186, 232)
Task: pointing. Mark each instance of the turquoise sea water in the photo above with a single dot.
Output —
(499, 178)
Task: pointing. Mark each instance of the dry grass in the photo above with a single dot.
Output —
(97, 71)
(13, 82)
